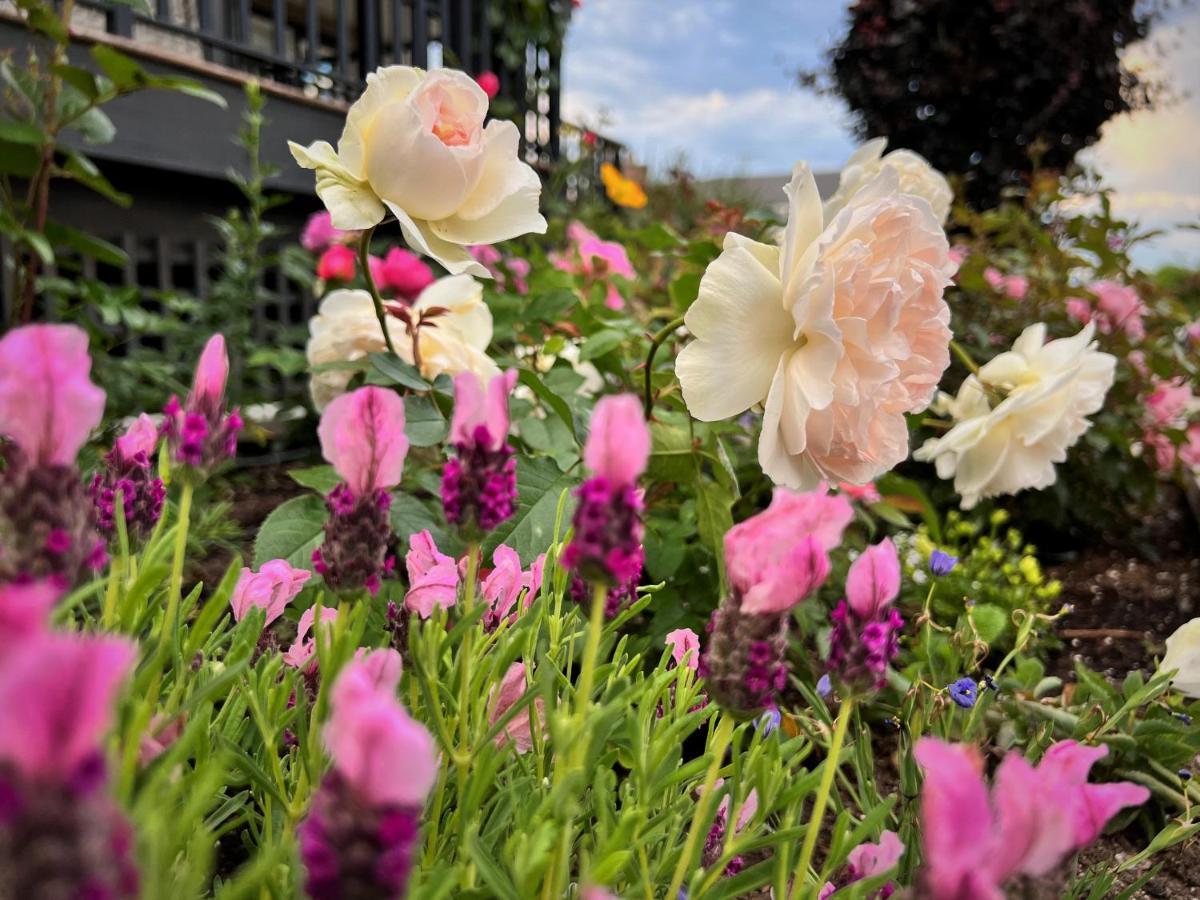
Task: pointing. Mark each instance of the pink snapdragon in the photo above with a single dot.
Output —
(271, 589)
(866, 627)
(519, 729)
(362, 437)
(975, 842)
(596, 261)
(432, 576)
(319, 233)
(300, 654)
(401, 273)
(48, 403)
(338, 263)
(362, 828)
(868, 861)
(200, 432)
(479, 484)
(607, 544)
(1014, 286)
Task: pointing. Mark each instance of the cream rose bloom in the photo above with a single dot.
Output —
(415, 145)
(345, 329)
(1183, 656)
(1020, 415)
(916, 177)
(839, 332)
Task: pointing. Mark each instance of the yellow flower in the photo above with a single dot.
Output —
(621, 190)
(1031, 570)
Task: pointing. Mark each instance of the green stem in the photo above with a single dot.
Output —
(175, 591)
(464, 653)
(720, 741)
(591, 649)
(655, 342)
(818, 812)
(961, 352)
(364, 266)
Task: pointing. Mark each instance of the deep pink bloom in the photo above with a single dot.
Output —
(685, 647)
(863, 493)
(432, 576)
(1169, 402)
(874, 579)
(24, 611)
(1118, 309)
(618, 446)
(867, 861)
(338, 263)
(519, 729)
(300, 654)
(596, 261)
(319, 233)
(490, 82)
(56, 701)
(48, 403)
(481, 418)
(974, 842)
(200, 432)
(404, 274)
(1014, 286)
(362, 437)
(271, 589)
(368, 731)
(139, 439)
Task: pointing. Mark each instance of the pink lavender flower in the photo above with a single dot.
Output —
(714, 842)
(433, 576)
(866, 627)
(60, 833)
(338, 263)
(519, 729)
(48, 406)
(362, 437)
(975, 842)
(401, 274)
(361, 830)
(607, 544)
(129, 469)
(868, 861)
(319, 233)
(271, 589)
(685, 647)
(304, 648)
(504, 585)
(596, 261)
(774, 560)
(200, 433)
(479, 484)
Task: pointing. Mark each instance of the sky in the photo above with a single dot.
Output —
(713, 82)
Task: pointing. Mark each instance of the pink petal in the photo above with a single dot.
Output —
(618, 446)
(212, 372)
(956, 818)
(383, 666)
(434, 586)
(870, 860)
(270, 589)
(1033, 830)
(1065, 766)
(473, 408)
(48, 404)
(24, 612)
(874, 579)
(304, 648)
(56, 700)
(362, 437)
(685, 645)
(140, 437)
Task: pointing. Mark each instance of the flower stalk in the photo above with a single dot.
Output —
(364, 266)
(822, 799)
(656, 341)
(720, 743)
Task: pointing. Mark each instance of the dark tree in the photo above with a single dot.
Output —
(982, 87)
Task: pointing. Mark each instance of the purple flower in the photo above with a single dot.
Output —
(942, 563)
(964, 692)
(479, 485)
(866, 628)
(200, 432)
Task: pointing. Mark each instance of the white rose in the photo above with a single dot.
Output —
(1183, 656)
(415, 144)
(916, 176)
(1043, 393)
(345, 329)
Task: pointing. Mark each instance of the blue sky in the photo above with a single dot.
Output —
(713, 81)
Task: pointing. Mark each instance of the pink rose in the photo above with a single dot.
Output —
(337, 264)
(1118, 309)
(1079, 309)
(490, 82)
(1169, 402)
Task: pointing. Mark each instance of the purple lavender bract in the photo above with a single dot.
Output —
(354, 851)
(743, 664)
(200, 434)
(607, 544)
(860, 649)
(142, 493)
(479, 485)
(358, 534)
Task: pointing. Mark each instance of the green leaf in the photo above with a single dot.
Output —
(80, 79)
(657, 237)
(397, 372)
(713, 517)
(321, 479)
(409, 515)
(94, 247)
(84, 171)
(990, 621)
(556, 403)
(22, 133)
(424, 423)
(187, 86)
(95, 126)
(21, 160)
(601, 342)
(540, 484)
(124, 72)
(292, 531)
(684, 289)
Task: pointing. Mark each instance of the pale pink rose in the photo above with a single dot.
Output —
(1121, 307)
(618, 446)
(1137, 360)
(48, 403)
(1162, 451)
(1079, 309)
(519, 729)
(300, 654)
(432, 576)
(1169, 402)
(362, 437)
(1014, 286)
(685, 647)
(270, 589)
(863, 493)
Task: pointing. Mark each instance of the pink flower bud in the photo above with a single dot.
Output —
(618, 446)
(874, 579)
(212, 373)
(362, 437)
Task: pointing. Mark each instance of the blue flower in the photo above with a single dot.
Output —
(768, 721)
(1184, 774)
(824, 687)
(964, 692)
(942, 563)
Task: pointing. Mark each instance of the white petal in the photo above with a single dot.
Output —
(469, 317)
(411, 168)
(515, 215)
(792, 470)
(453, 257)
(352, 205)
(391, 84)
(502, 174)
(804, 220)
(741, 330)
